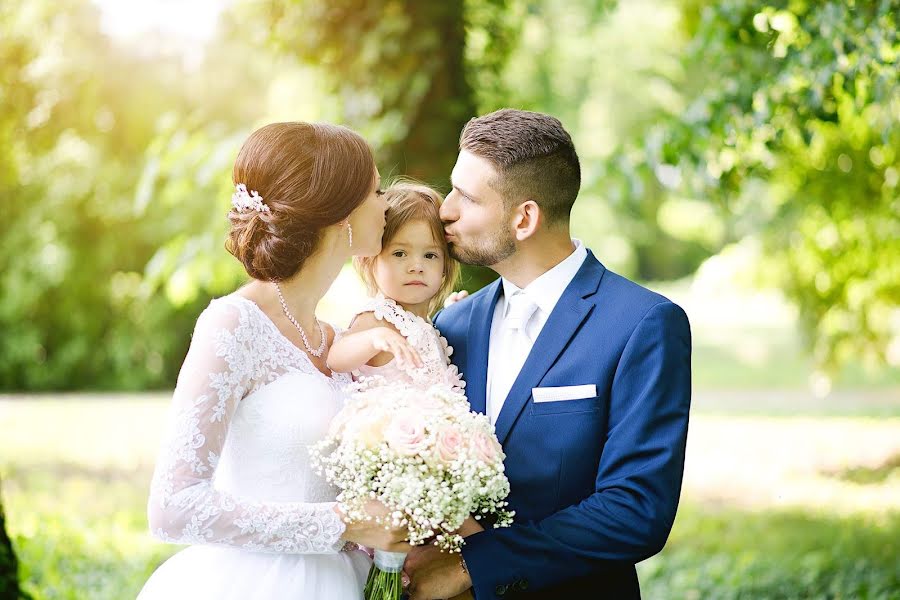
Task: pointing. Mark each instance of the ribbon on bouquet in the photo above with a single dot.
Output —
(389, 562)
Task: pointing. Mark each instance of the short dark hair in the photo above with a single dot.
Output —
(534, 157)
(310, 175)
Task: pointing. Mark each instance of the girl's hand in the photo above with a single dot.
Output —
(388, 340)
(455, 297)
(373, 535)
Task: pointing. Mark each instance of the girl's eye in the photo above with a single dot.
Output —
(431, 255)
(398, 253)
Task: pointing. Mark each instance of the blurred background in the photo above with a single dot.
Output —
(739, 156)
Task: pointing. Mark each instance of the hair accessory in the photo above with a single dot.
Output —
(244, 202)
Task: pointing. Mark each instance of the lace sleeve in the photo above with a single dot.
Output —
(184, 505)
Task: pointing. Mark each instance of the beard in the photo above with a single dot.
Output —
(486, 253)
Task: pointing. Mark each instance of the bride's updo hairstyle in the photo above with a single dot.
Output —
(308, 176)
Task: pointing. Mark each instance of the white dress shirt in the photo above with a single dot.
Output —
(506, 355)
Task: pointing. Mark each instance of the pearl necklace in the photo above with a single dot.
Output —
(318, 351)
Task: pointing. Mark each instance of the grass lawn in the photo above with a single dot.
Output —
(773, 507)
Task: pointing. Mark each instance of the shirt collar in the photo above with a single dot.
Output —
(547, 289)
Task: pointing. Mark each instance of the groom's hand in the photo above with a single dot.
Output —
(435, 574)
(470, 526)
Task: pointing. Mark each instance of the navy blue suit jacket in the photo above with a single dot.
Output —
(595, 481)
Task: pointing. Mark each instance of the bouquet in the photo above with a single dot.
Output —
(421, 453)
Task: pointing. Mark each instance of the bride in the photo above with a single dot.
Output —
(233, 478)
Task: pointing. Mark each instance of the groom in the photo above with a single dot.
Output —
(585, 374)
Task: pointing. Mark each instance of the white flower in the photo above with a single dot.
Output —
(244, 202)
(422, 453)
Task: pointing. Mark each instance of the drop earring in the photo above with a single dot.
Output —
(350, 233)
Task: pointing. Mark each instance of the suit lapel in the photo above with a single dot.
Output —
(565, 320)
(479, 338)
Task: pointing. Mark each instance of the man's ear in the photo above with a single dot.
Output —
(528, 218)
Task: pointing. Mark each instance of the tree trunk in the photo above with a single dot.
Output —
(397, 72)
(9, 566)
(429, 151)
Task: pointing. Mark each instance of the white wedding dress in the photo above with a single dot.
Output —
(233, 477)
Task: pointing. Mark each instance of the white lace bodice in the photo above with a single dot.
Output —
(234, 468)
(422, 335)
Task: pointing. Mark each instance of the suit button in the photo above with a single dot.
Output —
(500, 590)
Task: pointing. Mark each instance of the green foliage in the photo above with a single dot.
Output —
(581, 63)
(775, 555)
(791, 130)
(182, 166)
(70, 138)
(76, 474)
(82, 533)
(9, 565)
(775, 120)
(77, 514)
(84, 221)
(394, 69)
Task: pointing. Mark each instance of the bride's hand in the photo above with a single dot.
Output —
(369, 533)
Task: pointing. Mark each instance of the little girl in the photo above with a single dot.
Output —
(391, 336)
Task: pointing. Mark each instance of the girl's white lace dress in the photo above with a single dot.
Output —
(233, 478)
(436, 367)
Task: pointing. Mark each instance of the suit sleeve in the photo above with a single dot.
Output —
(630, 514)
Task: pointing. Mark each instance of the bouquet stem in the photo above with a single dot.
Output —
(385, 577)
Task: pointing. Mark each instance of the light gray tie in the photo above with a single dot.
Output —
(513, 349)
(520, 308)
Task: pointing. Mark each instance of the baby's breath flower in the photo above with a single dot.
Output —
(429, 484)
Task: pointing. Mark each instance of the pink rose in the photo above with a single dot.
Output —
(406, 433)
(448, 443)
(368, 428)
(428, 402)
(485, 447)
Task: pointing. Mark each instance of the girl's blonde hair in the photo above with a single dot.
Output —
(408, 201)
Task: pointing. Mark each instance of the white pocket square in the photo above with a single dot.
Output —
(565, 392)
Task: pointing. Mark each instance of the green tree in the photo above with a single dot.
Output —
(395, 69)
(580, 62)
(791, 129)
(399, 73)
(73, 238)
(409, 74)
